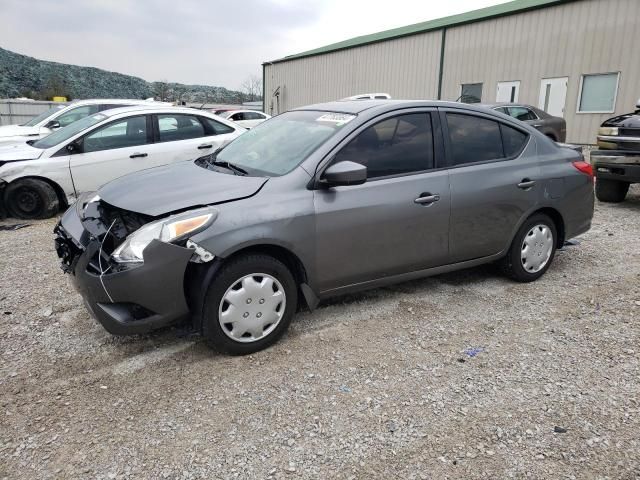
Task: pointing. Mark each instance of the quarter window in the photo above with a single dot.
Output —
(129, 132)
(76, 114)
(395, 146)
(173, 127)
(215, 128)
(598, 93)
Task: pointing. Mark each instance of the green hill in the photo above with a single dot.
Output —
(23, 76)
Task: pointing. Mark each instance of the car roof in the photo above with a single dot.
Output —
(92, 101)
(153, 109)
(357, 106)
(502, 104)
(242, 111)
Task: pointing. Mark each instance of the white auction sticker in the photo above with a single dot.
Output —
(337, 118)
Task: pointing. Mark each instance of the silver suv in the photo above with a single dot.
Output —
(321, 201)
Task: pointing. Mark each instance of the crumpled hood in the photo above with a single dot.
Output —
(161, 190)
(15, 152)
(22, 131)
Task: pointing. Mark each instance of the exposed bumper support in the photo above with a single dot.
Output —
(135, 299)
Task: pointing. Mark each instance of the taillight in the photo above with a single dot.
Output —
(584, 167)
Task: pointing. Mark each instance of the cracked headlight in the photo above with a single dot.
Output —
(170, 229)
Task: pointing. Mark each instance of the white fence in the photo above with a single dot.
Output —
(21, 111)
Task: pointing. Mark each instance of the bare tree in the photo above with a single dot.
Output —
(161, 90)
(252, 88)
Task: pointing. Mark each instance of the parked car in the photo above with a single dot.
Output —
(60, 116)
(617, 161)
(369, 96)
(245, 118)
(553, 127)
(37, 177)
(321, 201)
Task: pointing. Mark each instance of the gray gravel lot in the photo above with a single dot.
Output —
(376, 385)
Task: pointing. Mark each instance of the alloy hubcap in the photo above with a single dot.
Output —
(537, 248)
(252, 307)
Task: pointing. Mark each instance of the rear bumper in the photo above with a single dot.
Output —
(124, 299)
(616, 165)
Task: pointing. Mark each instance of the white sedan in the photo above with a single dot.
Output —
(60, 116)
(38, 177)
(245, 118)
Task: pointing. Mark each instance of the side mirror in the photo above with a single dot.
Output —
(344, 173)
(74, 147)
(53, 125)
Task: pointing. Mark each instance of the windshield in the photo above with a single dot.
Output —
(280, 144)
(36, 120)
(65, 133)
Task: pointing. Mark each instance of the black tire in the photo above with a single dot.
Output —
(611, 191)
(30, 199)
(511, 264)
(230, 274)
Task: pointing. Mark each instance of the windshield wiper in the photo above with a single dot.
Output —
(230, 166)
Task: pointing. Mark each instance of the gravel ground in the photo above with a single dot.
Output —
(464, 375)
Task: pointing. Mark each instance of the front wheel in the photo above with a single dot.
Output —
(532, 249)
(249, 305)
(31, 198)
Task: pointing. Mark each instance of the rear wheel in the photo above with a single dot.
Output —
(250, 304)
(31, 198)
(532, 249)
(611, 191)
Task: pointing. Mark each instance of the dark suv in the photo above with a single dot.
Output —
(617, 162)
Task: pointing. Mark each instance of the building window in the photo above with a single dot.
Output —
(471, 93)
(598, 93)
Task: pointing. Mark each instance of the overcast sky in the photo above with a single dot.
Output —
(209, 42)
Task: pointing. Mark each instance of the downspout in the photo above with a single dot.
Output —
(441, 71)
(264, 105)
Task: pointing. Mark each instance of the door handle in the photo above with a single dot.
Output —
(202, 147)
(138, 155)
(526, 184)
(536, 125)
(427, 199)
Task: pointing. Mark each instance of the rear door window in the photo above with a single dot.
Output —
(473, 139)
(175, 127)
(129, 132)
(513, 140)
(395, 146)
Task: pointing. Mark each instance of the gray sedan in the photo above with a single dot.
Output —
(317, 202)
(553, 127)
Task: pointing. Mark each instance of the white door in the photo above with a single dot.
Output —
(187, 137)
(553, 95)
(508, 91)
(110, 151)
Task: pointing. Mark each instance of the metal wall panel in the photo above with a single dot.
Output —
(567, 40)
(16, 112)
(405, 68)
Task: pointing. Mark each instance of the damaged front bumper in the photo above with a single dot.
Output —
(125, 299)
